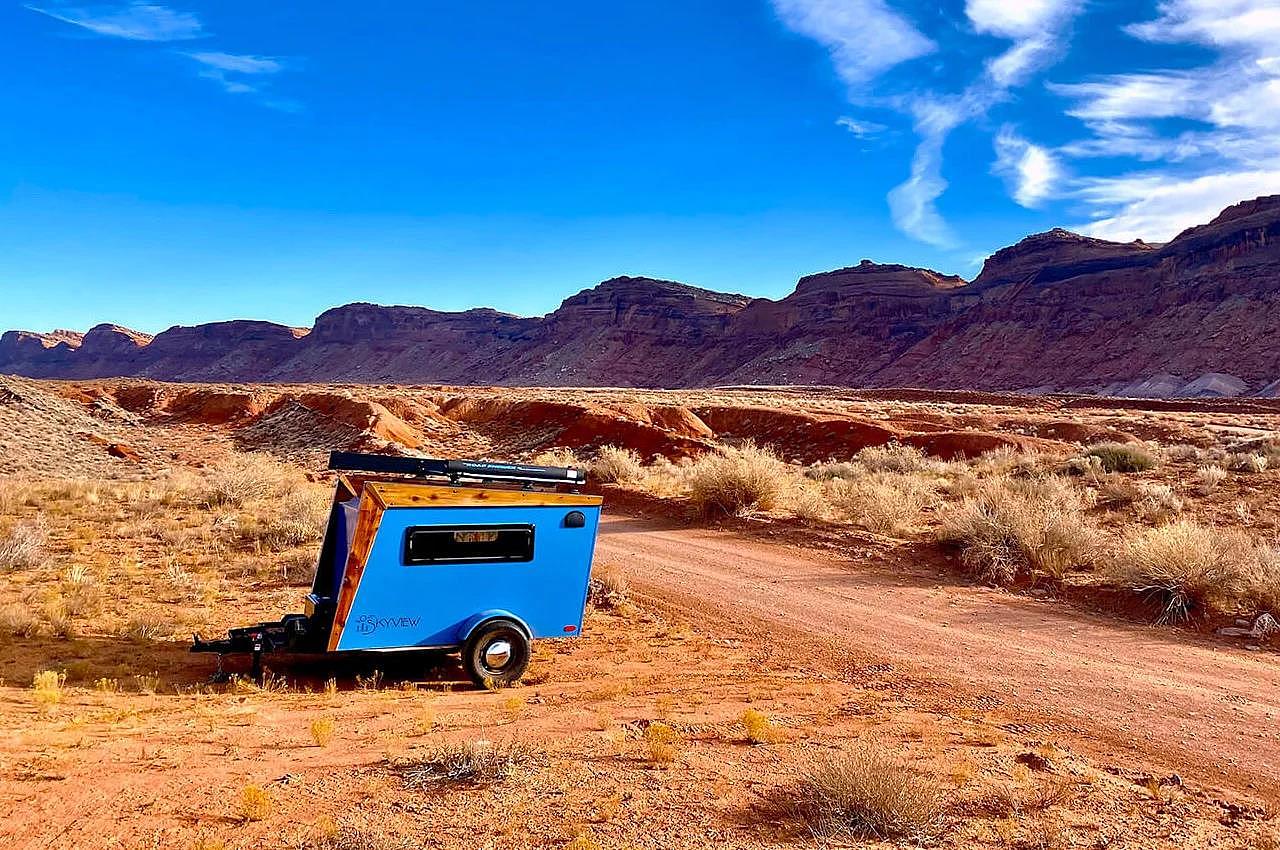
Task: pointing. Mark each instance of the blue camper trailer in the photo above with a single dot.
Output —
(463, 556)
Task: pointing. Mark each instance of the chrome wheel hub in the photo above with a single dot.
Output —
(497, 654)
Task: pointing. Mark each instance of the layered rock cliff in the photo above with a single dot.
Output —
(1057, 311)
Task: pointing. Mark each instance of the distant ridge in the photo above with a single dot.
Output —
(1056, 312)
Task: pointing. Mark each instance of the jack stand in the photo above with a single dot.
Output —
(219, 676)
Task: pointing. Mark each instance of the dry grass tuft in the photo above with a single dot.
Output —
(808, 503)
(615, 465)
(559, 456)
(248, 478)
(662, 743)
(886, 503)
(737, 481)
(894, 457)
(607, 588)
(866, 792)
(18, 620)
(1123, 457)
(23, 547)
(47, 687)
(322, 730)
(1247, 462)
(758, 727)
(1182, 452)
(1262, 582)
(468, 763)
(255, 803)
(829, 471)
(1157, 502)
(1020, 528)
(1183, 568)
(1208, 478)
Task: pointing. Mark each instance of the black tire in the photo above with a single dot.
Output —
(486, 644)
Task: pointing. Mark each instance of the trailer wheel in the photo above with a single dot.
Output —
(496, 655)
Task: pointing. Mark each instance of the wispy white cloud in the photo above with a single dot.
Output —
(861, 129)
(1157, 207)
(913, 203)
(233, 71)
(1230, 151)
(238, 63)
(865, 37)
(1031, 171)
(136, 21)
(1035, 28)
(1224, 23)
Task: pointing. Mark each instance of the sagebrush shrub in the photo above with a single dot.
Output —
(248, 478)
(23, 547)
(866, 792)
(468, 763)
(1208, 478)
(1123, 457)
(736, 481)
(886, 503)
(1183, 569)
(617, 465)
(1020, 528)
(893, 457)
(1247, 462)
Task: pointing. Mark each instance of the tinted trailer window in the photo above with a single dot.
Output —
(468, 544)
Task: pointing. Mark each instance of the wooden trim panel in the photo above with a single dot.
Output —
(402, 495)
(367, 522)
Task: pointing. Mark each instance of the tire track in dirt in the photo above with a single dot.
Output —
(1166, 700)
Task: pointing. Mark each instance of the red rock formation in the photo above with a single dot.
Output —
(1057, 311)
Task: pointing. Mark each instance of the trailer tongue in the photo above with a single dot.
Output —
(457, 555)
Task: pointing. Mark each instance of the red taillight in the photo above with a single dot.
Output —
(570, 628)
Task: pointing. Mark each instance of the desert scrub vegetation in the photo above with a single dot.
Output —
(607, 588)
(1123, 457)
(867, 792)
(757, 726)
(1184, 569)
(467, 763)
(47, 688)
(22, 548)
(296, 519)
(559, 456)
(895, 457)
(255, 803)
(1208, 478)
(883, 502)
(615, 465)
(737, 480)
(661, 743)
(1247, 462)
(18, 620)
(248, 478)
(1013, 529)
(322, 730)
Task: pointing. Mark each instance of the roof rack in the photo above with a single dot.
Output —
(457, 470)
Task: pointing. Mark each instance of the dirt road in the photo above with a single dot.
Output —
(1166, 702)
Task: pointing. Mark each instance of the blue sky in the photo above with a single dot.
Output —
(166, 164)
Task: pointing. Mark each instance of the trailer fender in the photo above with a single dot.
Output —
(477, 620)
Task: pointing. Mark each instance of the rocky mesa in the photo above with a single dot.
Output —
(1056, 312)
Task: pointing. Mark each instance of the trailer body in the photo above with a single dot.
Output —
(469, 564)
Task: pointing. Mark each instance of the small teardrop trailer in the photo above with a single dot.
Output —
(462, 556)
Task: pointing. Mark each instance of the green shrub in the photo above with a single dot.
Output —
(1123, 457)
